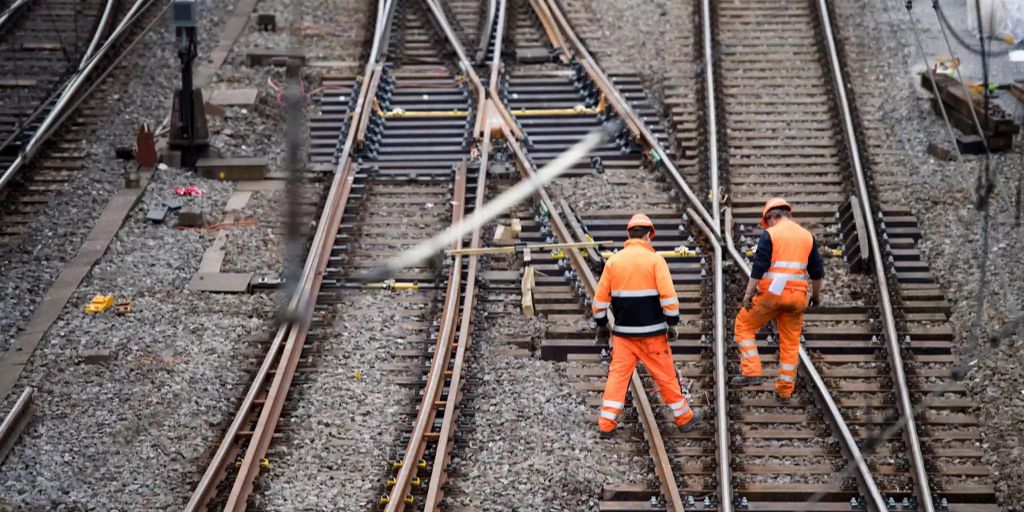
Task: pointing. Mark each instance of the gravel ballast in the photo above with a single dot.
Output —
(135, 431)
(878, 42)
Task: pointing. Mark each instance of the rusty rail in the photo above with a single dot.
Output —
(290, 337)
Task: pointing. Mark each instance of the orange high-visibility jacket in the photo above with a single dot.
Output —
(637, 286)
(791, 249)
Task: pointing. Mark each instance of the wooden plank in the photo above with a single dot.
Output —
(234, 97)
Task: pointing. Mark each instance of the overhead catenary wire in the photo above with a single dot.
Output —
(935, 87)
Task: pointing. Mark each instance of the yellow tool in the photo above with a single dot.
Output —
(100, 303)
(835, 252)
(391, 284)
(681, 251)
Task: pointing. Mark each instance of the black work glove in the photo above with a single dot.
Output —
(671, 333)
(748, 302)
(815, 300)
(603, 335)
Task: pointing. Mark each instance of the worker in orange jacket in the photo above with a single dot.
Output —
(785, 260)
(637, 286)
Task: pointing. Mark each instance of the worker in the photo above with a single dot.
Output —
(786, 257)
(637, 286)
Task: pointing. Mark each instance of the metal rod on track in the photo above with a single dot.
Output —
(906, 408)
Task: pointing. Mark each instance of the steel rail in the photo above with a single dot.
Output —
(290, 335)
(574, 48)
(9, 12)
(438, 474)
(485, 34)
(15, 421)
(906, 407)
(723, 457)
(427, 412)
(443, 357)
(712, 116)
(97, 37)
(834, 415)
(612, 96)
(69, 98)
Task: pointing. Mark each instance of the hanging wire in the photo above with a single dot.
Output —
(60, 39)
(944, 21)
(935, 87)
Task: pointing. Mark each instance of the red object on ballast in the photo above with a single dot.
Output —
(190, 190)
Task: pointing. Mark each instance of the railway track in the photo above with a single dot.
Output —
(411, 125)
(55, 55)
(788, 131)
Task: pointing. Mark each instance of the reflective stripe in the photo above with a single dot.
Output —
(787, 378)
(748, 355)
(670, 312)
(789, 264)
(609, 415)
(747, 343)
(669, 301)
(636, 293)
(641, 329)
(601, 305)
(601, 314)
(612, 403)
(679, 412)
(787, 366)
(677, 404)
(791, 277)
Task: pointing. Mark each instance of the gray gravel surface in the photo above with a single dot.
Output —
(133, 433)
(351, 411)
(880, 42)
(56, 235)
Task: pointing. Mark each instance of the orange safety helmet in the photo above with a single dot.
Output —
(640, 220)
(775, 202)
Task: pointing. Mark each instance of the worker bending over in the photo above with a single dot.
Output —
(786, 257)
(637, 285)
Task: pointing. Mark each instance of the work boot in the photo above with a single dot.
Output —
(692, 424)
(605, 435)
(783, 399)
(745, 380)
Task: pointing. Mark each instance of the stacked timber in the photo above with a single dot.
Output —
(998, 126)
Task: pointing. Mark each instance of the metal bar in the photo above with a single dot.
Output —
(820, 389)
(537, 247)
(906, 408)
(721, 392)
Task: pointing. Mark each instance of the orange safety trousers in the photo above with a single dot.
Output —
(656, 355)
(788, 312)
